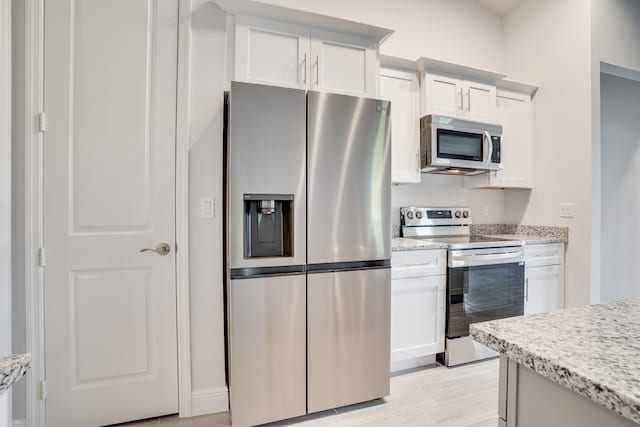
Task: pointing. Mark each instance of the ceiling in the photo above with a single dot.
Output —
(501, 7)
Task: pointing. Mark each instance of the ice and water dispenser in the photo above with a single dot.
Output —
(268, 225)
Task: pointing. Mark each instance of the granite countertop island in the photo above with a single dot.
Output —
(12, 368)
(593, 351)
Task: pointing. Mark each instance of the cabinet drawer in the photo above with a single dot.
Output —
(545, 254)
(406, 264)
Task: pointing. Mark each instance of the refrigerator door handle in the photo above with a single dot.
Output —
(348, 266)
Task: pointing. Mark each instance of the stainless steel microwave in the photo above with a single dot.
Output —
(459, 147)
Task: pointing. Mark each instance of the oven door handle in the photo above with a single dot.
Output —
(485, 259)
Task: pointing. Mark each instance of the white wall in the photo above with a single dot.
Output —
(548, 42)
(448, 191)
(205, 180)
(5, 195)
(614, 36)
(620, 104)
(459, 31)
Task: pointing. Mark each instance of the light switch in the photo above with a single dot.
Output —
(207, 207)
(566, 210)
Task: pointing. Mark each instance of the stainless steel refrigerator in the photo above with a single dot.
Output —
(308, 248)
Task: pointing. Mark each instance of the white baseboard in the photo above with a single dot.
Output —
(402, 365)
(19, 423)
(209, 401)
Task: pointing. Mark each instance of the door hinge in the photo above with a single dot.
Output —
(43, 390)
(42, 122)
(42, 257)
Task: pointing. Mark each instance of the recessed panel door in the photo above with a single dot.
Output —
(109, 188)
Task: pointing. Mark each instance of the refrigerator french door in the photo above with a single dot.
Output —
(348, 250)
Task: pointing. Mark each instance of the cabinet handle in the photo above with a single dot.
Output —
(526, 289)
(461, 101)
(317, 70)
(304, 76)
(468, 99)
(417, 161)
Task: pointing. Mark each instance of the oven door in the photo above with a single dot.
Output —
(489, 286)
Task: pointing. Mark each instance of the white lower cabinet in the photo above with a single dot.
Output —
(417, 320)
(544, 278)
(417, 304)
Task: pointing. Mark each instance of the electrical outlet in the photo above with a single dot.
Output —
(566, 210)
(395, 230)
(485, 210)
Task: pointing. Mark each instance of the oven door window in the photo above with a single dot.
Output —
(478, 294)
(453, 144)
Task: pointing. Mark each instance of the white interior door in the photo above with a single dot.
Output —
(110, 310)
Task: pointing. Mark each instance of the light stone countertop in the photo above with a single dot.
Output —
(408, 244)
(592, 350)
(530, 239)
(12, 368)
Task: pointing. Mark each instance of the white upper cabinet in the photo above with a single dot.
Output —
(443, 95)
(403, 90)
(516, 148)
(461, 98)
(343, 64)
(271, 52)
(290, 55)
(480, 102)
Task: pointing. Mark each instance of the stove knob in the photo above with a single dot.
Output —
(458, 214)
(419, 214)
(465, 214)
(410, 214)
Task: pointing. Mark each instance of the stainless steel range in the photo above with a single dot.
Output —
(485, 276)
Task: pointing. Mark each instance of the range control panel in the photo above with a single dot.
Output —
(416, 217)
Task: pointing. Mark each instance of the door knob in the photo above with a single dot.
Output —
(161, 249)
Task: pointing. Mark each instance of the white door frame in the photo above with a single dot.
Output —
(5, 197)
(33, 170)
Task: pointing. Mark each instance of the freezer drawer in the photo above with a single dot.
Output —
(348, 315)
(267, 338)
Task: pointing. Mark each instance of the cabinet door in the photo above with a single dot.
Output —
(403, 90)
(516, 148)
(544, 289)
(480, 102)
(443, 95)
(271, 52)
(342, 63)
(417, 317)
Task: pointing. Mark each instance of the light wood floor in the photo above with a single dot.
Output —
(466, 396)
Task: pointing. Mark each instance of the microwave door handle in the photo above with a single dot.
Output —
(489, 144)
